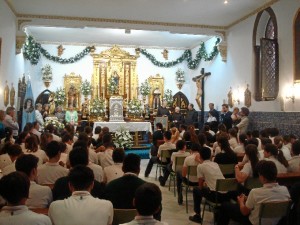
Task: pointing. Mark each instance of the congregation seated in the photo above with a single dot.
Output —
(39, 196)
(208, 172)
(92, 154)
(242, 143)
(164, 147)
(13, 151)
(14, 188)
(95, 138)
(105, 158)
(21, 140)
(247, 209)
(249, 169)
(81, 206)
(278, 141)
(46, 137)
(52, 130)
(233, 140)
(181, 152)
(4, 157)
(272, 153)
(294, 162)
(78, 156)
(114, 171)
(227, 155)
(68, 140)
(32, 147)
(147, 201)
(49, 172)
(181, 176)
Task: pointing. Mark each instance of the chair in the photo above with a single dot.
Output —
(273, 210)
(252, 182)
(123, 216)
(222, 185)
(191, 171)
(179, 160)
(227, 170)
(165, 154)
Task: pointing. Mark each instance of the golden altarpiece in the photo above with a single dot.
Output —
(117, 64)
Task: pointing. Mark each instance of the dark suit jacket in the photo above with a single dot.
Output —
(61, 189)
(226, 119)
(215, 114)
(121, 191)
(191, 117)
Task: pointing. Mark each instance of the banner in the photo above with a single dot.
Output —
(28, 115)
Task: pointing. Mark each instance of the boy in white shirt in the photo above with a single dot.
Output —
(49, 172)
(14, 188)
(81, 207)
(39, 196)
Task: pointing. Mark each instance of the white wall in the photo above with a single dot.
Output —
(11, 67)
(238, 71)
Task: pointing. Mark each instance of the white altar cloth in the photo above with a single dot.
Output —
(130, 126)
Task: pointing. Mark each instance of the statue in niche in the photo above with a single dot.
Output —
(72, 94)
(247, 95)
(85, 109)
(156, 98)
(12, 95)
(51, 104)
(116, 78)
(230, 100)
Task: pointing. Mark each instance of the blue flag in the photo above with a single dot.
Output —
(28, 115)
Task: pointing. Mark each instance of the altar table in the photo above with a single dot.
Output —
(130, 126)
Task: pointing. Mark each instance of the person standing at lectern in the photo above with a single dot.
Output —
(163, 111)
(191, 116)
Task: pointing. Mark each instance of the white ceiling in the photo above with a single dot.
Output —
(182, 12)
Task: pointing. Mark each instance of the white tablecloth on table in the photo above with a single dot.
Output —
(131, 126)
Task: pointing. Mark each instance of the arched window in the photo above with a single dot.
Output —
(266, 56)
(297, 47)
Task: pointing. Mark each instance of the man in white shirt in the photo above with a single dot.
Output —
(208, 172)
(38, 116)
(10, 121)
(181, 176)
(105, 158)
(114, 171)
(181, 147)
(247, 209)
(81, 206)
(67, 139)
(49, 172)
(243, 125)
(14, 188)
(147, 201)
(39, 196)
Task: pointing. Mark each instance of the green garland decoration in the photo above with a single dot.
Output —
(33, 51)
(187, 55)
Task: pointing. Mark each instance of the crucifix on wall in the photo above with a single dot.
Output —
(200, 91)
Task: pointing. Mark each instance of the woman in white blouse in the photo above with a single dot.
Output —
(294, 162)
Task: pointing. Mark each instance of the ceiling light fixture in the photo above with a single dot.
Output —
(225, 2)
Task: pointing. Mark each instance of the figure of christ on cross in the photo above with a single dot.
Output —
(200, 87)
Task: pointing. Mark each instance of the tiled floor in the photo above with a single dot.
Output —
(173, 213)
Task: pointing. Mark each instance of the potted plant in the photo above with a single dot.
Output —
(47, 75)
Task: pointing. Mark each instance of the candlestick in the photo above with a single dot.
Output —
(103, 92)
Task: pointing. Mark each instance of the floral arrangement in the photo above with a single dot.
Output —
(145, 88)
(168, 96)
(60, 96)
(134, 107)
(180, 76)
(123, 139)
(112, 85)
(47, 73)
(54, 122)
(86, 88)
(97, 107)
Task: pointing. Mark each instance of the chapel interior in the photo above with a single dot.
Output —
(241, 53)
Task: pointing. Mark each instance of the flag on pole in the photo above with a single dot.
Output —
(28, 115)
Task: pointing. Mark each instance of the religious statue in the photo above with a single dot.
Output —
(12, 95)
(230, 99)
(116, 78)
(85, 109)
(156, 98)
(247, 97)
(165, 54)
(28, 105)
(51, 104)
(60, 50)
(6, 95)
(72, 94)
(199, 92)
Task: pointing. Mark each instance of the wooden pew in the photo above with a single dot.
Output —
(288, 179)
